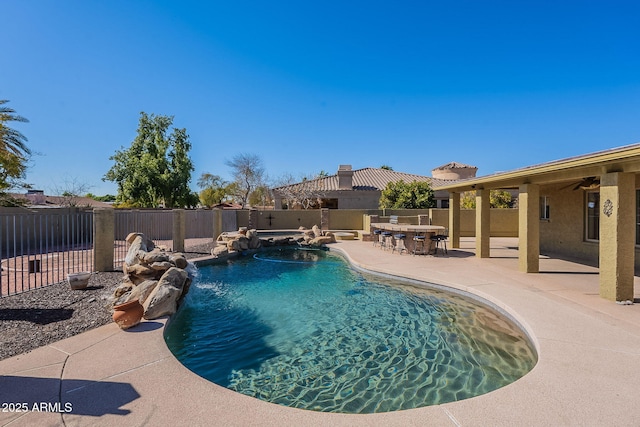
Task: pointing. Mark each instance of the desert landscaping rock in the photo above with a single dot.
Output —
(45, 315)
(163, 300)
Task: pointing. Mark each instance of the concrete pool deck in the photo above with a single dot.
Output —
(588, 373)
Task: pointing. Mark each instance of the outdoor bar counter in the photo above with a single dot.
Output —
(411, 230)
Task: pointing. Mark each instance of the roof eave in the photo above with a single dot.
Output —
(622, 159)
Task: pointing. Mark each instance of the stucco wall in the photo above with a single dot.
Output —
(504, 222)
(287, 219)
(563, 234)
(345, 219)
(357, 199)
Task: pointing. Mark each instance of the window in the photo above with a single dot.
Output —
(444, 203)
(544, 207)
(328, 203)
(593, 215)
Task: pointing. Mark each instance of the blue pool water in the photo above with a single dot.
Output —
(303, 329)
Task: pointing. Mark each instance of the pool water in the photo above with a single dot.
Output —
(303, 329)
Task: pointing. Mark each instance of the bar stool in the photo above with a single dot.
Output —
(386, 240)
(440, 241)
(399, 243)
(418, 241)
(376, 236)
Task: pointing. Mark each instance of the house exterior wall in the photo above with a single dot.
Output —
(563, 233)
(350, 199)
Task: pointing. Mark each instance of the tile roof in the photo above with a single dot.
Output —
(44, 201)
(367, 179)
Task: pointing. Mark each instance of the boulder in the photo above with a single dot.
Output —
(179, 260)
(243, 243)
(163, 301)
(322, 240)
(316, 231)
(140, 270)
(162, 266)
(254, 239)
(238, 244)
(220, 251)
(142, 291)
(122, 289)
(147, 244)
(138, 242)
(154, 256)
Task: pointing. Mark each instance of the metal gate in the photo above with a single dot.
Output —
(41, 248)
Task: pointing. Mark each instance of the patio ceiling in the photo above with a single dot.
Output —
(622, 159)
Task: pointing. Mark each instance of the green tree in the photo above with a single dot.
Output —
(214, 189)
(497, 199)
(260, 196)
(105, 198)
(413, 195)
(248, 174)
(156, 168)
(14, 153)
(386, 167)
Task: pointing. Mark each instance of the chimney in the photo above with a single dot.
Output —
(345, 177)
(36, 197)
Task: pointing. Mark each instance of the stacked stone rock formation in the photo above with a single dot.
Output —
(154, 276)
(230, 244)
(316, 237)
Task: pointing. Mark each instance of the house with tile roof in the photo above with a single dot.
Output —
(37, 199)
(362, 188)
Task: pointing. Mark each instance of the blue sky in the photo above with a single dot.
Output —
(308, 86)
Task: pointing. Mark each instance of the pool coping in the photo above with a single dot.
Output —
(589, 351)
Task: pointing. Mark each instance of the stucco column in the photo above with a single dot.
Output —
(277, 203)
(483, 223)
(529, 228)
(454, 220)
(179, 229)
(104, 234)
(217, 223)
(253, 219)
(324, 219)
(617, 236)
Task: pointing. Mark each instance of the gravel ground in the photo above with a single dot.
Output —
(42, 316)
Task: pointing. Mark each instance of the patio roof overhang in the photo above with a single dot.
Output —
(622, 159)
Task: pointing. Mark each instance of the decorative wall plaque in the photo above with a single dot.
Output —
(607, 208)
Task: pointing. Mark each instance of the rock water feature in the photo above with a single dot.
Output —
(154, 276)
(158, 279)
(231, 244)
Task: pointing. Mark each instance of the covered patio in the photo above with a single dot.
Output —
(583, 207)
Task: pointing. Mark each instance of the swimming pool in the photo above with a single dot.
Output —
(303, 329)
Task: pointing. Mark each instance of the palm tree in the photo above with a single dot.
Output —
(11, 141)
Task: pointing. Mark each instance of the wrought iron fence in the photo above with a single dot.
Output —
(157, 225)
(41, 248)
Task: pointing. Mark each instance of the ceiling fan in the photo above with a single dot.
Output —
(588, 183)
